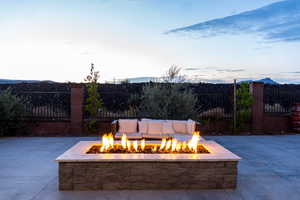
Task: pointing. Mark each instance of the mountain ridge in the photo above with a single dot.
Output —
(15, 81)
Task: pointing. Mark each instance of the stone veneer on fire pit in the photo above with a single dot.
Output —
(81, 171)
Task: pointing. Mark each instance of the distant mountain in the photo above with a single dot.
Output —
(264, 80)
(268, 81)
(10, 81)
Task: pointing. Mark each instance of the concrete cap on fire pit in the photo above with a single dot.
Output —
(78, 154)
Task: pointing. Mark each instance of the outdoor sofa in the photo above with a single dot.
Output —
(181, 130)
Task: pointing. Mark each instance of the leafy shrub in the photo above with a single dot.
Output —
(168, 101)
(244, 103)
(11, 111)
(93, 101)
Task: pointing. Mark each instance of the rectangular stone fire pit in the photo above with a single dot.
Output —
(81, 171)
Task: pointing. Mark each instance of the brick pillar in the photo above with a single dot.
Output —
(257, 91)
(77, 97)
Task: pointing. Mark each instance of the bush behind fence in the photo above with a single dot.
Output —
(280, 98)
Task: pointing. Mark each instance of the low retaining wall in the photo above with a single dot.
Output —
(216, 127)
(277, 124)
(272, 124)
(49, 128)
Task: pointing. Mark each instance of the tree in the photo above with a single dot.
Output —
(173, 75)
(168, 100)
(165, 101)
(93, 102)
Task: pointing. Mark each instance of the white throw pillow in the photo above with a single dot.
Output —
(180, 126)
(128, 125)
(190, 126)
(155, 127)
(168, 127)
(143, 126)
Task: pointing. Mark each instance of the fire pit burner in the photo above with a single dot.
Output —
(148, 149)
(108, 145)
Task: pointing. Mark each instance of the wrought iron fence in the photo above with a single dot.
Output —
(46, 105)
(215, 106)
(280, 98)
(43, 101)
(215, 101)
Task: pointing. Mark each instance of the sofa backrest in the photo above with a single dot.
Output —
(154, 127)
(128, 125)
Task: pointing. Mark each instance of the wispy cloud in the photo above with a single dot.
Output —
(218, 69)
(275, 22)
(297, 72)
(192, 69)
(230, 70)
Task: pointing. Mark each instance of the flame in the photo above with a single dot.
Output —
(107, 142)
(110, 139)
(174, 143)
(178, 147)
(193, 143)
(163, 144)
(123, 141)
(154, 149)
(128, 145)
(184, 145)
(166, 146)
(143, 144)
(135, 145)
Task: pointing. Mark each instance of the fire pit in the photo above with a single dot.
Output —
(140, 164)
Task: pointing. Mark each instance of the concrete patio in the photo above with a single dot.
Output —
(270, 169)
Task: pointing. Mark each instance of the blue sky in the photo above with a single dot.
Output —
(212, 40)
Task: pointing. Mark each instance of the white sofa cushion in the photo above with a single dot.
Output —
(155, 127)
(155, 136)
(190, 126)
(143, 126)
(131, 136)
(180, 126)
(127, 125)
(168, 127)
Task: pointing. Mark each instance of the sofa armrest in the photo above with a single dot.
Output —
(114, 127)
(197, 128)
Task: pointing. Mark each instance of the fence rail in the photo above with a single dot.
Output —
(280, 98)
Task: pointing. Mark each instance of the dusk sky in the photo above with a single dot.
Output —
(212, 40)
